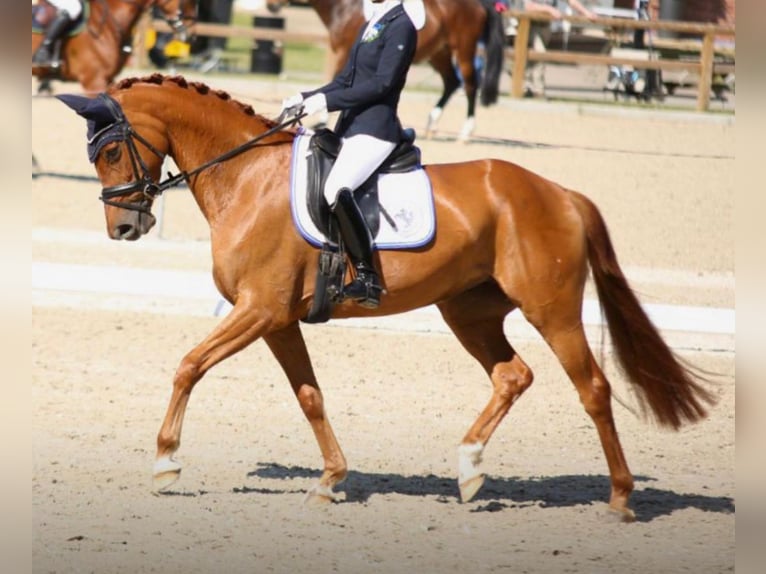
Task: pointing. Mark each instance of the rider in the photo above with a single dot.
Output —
(67, 12)
(367, 93)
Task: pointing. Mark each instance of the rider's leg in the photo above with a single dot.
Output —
(61, 21)
(365, 288)
(359, 157)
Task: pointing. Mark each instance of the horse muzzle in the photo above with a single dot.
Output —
(132, 226)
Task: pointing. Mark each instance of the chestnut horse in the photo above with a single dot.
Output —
(453, 28)
(506, 238)
(96, 55)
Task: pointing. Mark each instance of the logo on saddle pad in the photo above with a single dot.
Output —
(406, 217)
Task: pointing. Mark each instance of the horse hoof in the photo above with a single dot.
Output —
(166, 473)
(623, 514)
(320, 495)
(470, 487)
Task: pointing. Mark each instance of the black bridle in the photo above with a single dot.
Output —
(143, 181)
(176, 23)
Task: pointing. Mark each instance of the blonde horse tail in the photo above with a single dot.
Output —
(672, 391)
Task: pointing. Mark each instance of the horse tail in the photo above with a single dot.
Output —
(495, 45)
(671, 390)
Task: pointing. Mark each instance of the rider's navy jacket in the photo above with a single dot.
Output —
(368, 87)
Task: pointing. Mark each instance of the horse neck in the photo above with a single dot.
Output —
(193, 140)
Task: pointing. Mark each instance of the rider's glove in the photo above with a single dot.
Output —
(292, 102)
(315, 104)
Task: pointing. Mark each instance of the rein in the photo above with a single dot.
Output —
(143, 180)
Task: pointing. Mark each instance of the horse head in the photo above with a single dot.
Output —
(179, 15)
(128, 164)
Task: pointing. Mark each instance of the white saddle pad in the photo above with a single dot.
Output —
(406, 198)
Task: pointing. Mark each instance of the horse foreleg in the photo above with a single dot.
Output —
(442, 63)
(289, 348)
(477, 318)
(237, 330)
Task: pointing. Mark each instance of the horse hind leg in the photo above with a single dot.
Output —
(564, 333)
(477, 319)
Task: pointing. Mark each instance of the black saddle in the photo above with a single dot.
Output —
(323, 151)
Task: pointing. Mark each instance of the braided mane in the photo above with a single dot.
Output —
(198, 87)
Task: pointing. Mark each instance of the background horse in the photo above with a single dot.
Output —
(96, 55)
(453, 29)
(506, 238)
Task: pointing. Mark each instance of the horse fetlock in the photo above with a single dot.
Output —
(621, 514)
(433, 119)
(469, 457)
(320, 494)
(618, 504)
(467, 131)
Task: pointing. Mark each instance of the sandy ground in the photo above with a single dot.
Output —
(399, 402)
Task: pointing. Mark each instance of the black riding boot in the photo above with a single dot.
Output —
(44, 54)
(365, 289)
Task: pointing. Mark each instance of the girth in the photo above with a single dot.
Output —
(323, 151)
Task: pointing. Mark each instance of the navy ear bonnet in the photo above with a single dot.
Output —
(106, 122)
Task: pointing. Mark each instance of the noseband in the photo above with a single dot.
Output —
(176, 23)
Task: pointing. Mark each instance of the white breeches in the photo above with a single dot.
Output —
(73, 7)
(358, 158)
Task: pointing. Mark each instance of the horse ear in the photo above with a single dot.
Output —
(78, 103)
(101, 112)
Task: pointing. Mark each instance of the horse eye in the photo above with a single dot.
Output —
(112, 154)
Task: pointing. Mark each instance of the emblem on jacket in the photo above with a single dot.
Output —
(373, 33)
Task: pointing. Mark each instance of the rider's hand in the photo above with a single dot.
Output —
(292, 102)
(315, 104)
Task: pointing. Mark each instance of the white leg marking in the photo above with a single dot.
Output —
(321, 491)
(433, 119)
(166, 464)
(468, 127)
(469, 459)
